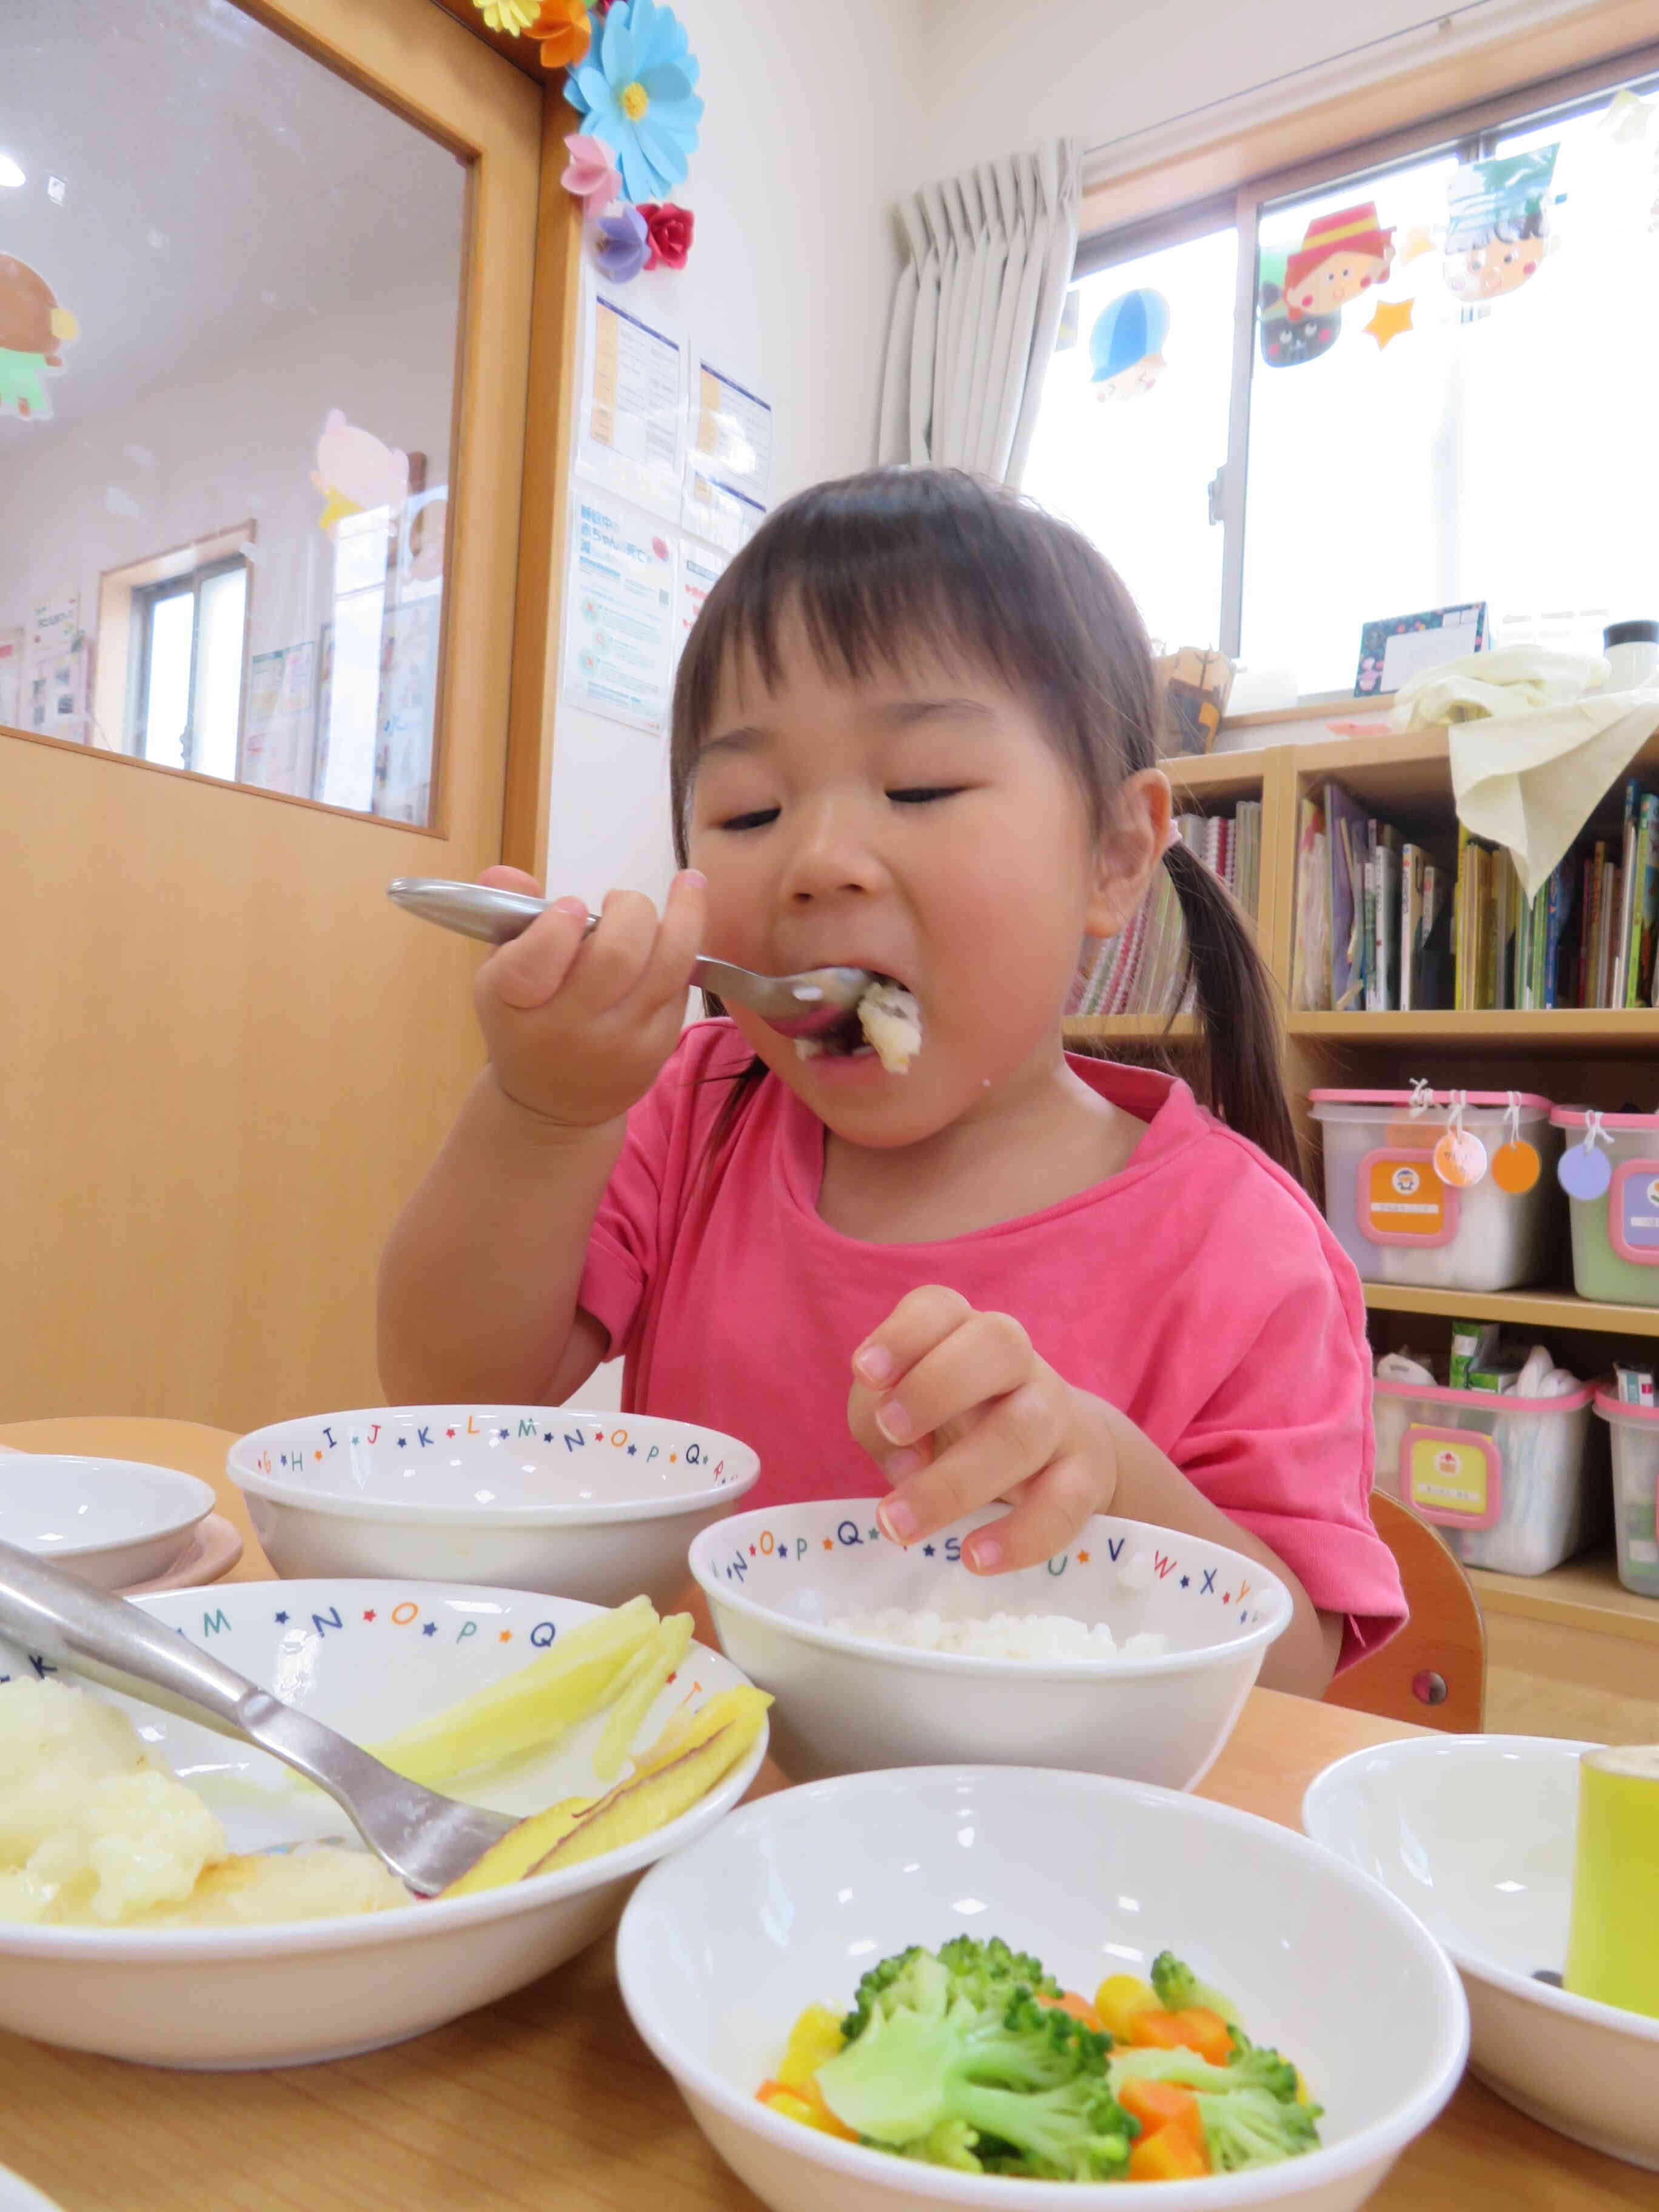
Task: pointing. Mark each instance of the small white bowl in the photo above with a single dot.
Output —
(598, 1506)
(369, 1658)
(107, 1522)
(801, 1894)
(775, 1579)
(17, 2195)
(1476, 1835)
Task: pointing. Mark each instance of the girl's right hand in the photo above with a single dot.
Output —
(579, 1029)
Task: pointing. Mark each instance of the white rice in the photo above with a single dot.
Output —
(1041, 1638)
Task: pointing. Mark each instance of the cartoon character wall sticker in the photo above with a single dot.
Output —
(1286, 344)
(1498, 215)
(1127, 345)
(355, 472)
(33, 330)
(1341, 256)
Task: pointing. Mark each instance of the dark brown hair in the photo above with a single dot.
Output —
(875, 563)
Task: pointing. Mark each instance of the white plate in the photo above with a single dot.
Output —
(801, 1894)
(108, 1521)
(1476, 1835)
(595, 1505)
(213, 1551)
(369, 1658)
(17, 2195)
(775, 1579)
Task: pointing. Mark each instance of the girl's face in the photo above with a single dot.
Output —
(919, 824)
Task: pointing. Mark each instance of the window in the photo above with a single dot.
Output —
(187, 688)
(1438, 391)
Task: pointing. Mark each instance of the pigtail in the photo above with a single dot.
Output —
(1236, 1008)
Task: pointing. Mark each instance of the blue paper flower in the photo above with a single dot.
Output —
(635, 89)
(623, 244)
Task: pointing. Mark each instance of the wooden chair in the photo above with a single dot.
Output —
(1434, 1671)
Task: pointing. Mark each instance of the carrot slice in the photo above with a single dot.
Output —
(1196, 2029)
(1080, 2008)
(1158, 2105)
(1167, 2156)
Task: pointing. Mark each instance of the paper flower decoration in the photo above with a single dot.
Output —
(509, 15)
(562, 32)
(624, 243)
(669, 228)
(636, 89)
(590, 175)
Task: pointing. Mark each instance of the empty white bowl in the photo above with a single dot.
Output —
(775, 1579)
(108, 1521)
(801, 1894)
(369, 1658)
(17, 2195)
(598, 1506)
(1476, 1835)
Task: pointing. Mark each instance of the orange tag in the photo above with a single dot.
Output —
(1402, 1201)
(1516, 1166)
(1460, 1158)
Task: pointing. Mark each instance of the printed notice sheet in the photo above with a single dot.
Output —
(630, 435)
(620, 632)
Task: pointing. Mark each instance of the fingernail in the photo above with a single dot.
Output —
(898, 1464)
(694, 879)
(572, 905)
(897, 1519)
(895, 1422)
(873, 1361)
(984, 1554)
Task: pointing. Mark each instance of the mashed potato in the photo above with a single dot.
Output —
(93, 1833)
(891, 1022)
(1036, 1638)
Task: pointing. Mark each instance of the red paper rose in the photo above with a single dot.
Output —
(669, 229)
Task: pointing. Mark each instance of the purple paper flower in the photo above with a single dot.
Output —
(624, 243)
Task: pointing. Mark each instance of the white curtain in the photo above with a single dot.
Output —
(977, 309)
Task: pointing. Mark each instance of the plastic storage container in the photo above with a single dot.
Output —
(1615, 1237)
(1635, 1431)
(1514, 1484)
(1399, 1223)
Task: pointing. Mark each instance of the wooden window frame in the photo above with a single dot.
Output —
(1456, 102)
(146, 599)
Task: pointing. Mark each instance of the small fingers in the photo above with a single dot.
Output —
(1053, 1510)
(1017, 1438)
(502, 878)
(615, 957)
(983, 1357)
(668, 971)
(921, 1319)
(525, 972)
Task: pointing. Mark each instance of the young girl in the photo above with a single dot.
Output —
(913, 731)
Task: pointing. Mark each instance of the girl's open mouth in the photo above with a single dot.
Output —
(886, 1023)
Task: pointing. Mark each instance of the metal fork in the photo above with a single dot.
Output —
(798, 1005)
(427, 1841)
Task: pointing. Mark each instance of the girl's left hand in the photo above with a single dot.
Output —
(958, 1410)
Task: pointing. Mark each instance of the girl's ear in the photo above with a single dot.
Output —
(1131, 848)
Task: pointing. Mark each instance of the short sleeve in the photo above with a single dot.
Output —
(1285, 1447)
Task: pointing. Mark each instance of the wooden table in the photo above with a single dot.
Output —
(548, 2102)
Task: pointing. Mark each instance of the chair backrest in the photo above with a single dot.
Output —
(1434, 1671)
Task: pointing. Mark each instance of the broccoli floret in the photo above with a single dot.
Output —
(1251, 2127)
(1023, 2090)
(913, 1980)
(989, 1972)
(1251, 2067)
(1178, 1989)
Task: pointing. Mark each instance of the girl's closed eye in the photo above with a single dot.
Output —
(757, 819)
(921, 794)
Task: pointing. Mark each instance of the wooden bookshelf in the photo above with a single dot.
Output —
(1555, 1030)
(1583, 1594)
(1526, 1311)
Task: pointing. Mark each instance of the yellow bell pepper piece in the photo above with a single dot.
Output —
(815, 2037)
(1117, 2001)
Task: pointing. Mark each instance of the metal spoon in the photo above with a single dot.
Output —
(798, 1006)
(427, 1841)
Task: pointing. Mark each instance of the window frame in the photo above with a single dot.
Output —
(146, 598)
(1468, 130)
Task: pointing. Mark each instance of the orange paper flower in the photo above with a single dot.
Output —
(562, 32)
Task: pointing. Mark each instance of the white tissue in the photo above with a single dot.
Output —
(1401, 1367)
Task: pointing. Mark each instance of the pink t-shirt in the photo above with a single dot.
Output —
(1198, 1289)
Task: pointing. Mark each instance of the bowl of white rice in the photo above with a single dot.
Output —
(1131, 1654)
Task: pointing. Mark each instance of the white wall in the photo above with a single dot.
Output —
(1005, 73)
(810, 134)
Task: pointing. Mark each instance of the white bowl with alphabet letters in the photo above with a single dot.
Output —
(775, 1580)
(599, 1506)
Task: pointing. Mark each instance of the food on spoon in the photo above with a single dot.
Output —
(973, 2057)
(1040, 1638)
(891, 1022)
(95, 1834)
(529, 1710)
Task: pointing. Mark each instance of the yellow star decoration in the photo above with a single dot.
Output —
(1419, 242)
(1390, 318)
